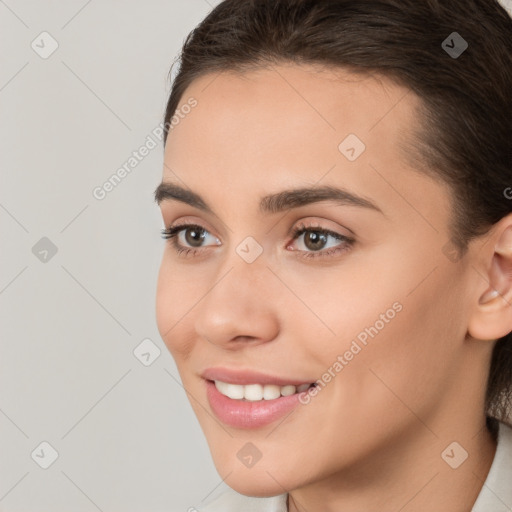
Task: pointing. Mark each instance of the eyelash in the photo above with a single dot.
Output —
(171, 233)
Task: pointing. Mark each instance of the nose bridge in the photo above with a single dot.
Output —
(238, 303)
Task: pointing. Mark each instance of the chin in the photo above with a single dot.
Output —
(258, 488)
(264, 479)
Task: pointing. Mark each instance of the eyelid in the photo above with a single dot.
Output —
(190, 221)
(321, 225)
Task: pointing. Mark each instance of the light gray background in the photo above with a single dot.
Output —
(125, 434)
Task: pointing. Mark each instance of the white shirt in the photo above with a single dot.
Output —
(495, 495)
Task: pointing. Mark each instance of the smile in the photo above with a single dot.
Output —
(258, 392)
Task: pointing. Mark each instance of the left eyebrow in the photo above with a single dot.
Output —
(273, 203)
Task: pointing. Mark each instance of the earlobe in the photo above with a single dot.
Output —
(492, 317)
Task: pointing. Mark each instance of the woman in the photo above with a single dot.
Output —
(336, 288)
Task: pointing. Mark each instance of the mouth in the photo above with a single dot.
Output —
(251, 400)
(258, 392)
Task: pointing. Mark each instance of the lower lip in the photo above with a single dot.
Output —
(247, 414)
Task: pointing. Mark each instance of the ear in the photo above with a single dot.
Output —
(491, 317)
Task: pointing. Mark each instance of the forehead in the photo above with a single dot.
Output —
(286, 111)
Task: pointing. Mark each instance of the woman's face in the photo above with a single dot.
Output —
(368, 301)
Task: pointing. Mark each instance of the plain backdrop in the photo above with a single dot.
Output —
(78, 274)
(92, 415)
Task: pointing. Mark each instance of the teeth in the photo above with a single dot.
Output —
(270, 392)
(288, 390)
(252, 392)
(257, 392)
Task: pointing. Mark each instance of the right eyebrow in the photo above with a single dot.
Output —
(168, 191)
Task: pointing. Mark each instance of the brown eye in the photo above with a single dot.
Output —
(189, 236)
(315, 240)
(194, 236)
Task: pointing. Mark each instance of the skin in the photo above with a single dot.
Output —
(372, 438)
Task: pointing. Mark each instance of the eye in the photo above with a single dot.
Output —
(314, 241)
(189, 237)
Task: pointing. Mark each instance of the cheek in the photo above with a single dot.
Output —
(395, 330)
(412, 359)
(333, 306)
(176, 294)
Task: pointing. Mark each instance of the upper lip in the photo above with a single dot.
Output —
(244, 377)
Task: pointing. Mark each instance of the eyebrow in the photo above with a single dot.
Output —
(273, 203)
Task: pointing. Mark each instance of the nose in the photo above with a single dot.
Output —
(240, 307)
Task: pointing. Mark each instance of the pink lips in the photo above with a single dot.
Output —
(243, 413)
(249, 377)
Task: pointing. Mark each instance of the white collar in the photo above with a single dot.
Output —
(496, 493)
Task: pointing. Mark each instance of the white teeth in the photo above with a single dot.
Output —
(257, 392)
(270, 392)
(234, 391)
(253, 392)
(221, 386)
(288, 390)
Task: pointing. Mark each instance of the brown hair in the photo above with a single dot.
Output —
(465, 137)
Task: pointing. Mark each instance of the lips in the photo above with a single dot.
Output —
(246, 377)
(237, 398)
